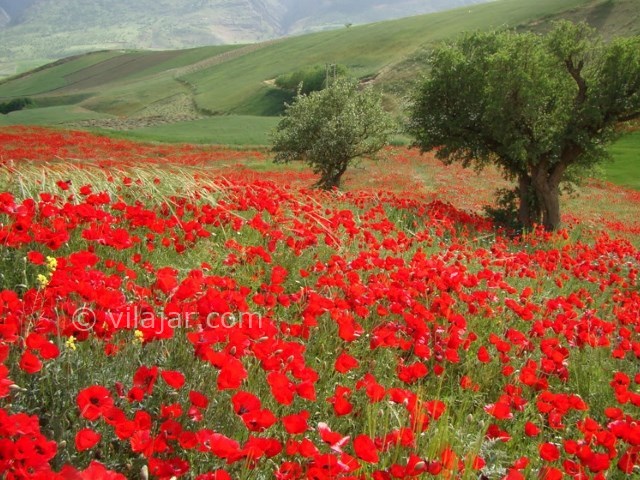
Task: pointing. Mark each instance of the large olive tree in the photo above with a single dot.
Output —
(330, 128)
(537, 106)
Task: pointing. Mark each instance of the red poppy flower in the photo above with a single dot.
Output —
(334, 439)
(500, 410)
(549, 452)
(171, 468)
(145, 378)
(167, 279)
(258, 420)
(49, 351)
(95, 471)
(494, 432)
(282, 388)
(36, 258)
(550, 473)
(345, 362)
(86, 439)
(244, 402)
(220, 445)
(483, 354)
(365, 449)
(231, 375)
(93, 401)
(173, 378)
(340, 401)
(628, 460)
(198, 399)
(30, 363)
(296, 423)
(373, 389)
(435, 408)
(531, 430)
(5, 382)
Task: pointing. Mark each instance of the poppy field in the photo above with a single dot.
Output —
(194, 312)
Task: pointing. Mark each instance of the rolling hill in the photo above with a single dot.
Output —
(43, 30)
(180, 95)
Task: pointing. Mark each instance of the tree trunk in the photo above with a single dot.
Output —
(545, 180)
(549, 198)
(547, 189)
(529, 207)
(331, 178)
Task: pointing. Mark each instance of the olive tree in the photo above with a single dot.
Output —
(330, 128)
(540, 107)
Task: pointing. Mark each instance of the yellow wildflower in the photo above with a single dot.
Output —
(71, 342)
(138, 336)
(52, 263)
(42, 280)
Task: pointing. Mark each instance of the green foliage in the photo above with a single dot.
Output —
(310, 79)
(536, 106)
(330, 128)
(15, 105)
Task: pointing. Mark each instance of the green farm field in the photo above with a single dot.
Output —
(232, 130)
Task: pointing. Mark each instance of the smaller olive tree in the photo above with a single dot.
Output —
(330, 128)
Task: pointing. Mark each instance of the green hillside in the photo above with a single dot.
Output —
(142, 92)
(32, 30)
(625, 170)
(367, 51)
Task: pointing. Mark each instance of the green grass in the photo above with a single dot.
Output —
(238, 130)
(625, 169)
(134, 65)
(57, 115)
(10, 68)
(52, 77)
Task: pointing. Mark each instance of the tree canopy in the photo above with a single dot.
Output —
(537, 106)
(330, 128)
(310, 79)
(14, 105)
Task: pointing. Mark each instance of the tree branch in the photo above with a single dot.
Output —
(575, 72)
(570, 153)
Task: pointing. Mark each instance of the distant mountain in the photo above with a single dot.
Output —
(48, 29)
